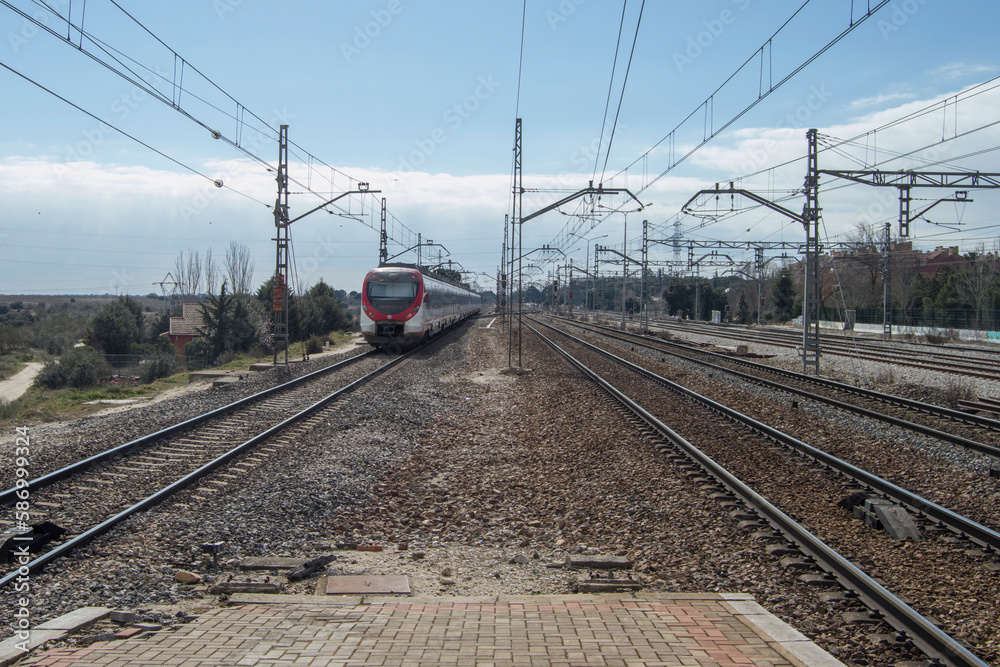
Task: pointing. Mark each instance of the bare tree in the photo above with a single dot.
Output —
(239, 267)
(187, 272)
(212, 272)
(977, 279)
(862, 279)
(905, 286)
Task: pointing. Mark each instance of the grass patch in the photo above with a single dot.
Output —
(10, 365)
(44, 405)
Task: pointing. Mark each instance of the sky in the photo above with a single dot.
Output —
(105, 178)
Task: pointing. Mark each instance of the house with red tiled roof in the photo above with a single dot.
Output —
(939, 258)
(186, 328)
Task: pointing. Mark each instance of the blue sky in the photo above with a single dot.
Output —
(419, 100)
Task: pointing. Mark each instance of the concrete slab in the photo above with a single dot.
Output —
(75, 620)
(271, 563)
(12, 649)
(363, 584)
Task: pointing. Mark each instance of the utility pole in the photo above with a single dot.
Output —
(280, 303)
(383, 248)
(812, 289)
(643, 314)
(519, 220)
(281, 261)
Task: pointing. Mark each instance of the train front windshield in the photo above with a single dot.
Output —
(391, 297)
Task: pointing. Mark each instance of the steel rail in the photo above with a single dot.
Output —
(925, 635)
(976, 532)
(939, 411)
(10, 495)
(927, 408)
(89, 535)
(929, 361)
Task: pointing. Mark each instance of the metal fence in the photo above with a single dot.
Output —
(935, 318)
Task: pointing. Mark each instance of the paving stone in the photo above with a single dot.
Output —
(626, 629)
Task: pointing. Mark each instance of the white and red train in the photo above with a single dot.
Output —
(402, 306)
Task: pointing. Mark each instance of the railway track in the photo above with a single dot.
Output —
(91, 496)
(985, 364)
(804, 493)
(969, 431)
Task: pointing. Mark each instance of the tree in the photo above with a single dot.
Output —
(239, 267)
(116, 326)
(187, 272)
(265, 297)
(229, 323)
(211, 272)
(322, 311)
(977, 280)
(743, 309)
(863, 288)
(783, 293)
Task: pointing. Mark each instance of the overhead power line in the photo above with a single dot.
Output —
(761, 64)
(176, 94)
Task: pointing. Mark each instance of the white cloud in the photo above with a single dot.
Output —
(879, 100)
(954, 71)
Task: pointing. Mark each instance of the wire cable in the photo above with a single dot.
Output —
(126, 134)
(611, 85)
(611, 139)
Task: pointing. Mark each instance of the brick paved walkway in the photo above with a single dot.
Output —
(567, 630)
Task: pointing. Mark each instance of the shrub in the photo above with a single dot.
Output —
(52, 375)
(85, 373)
(314, 346)
(197, 354)
(959, 389)
(157, 366)
(84, 367)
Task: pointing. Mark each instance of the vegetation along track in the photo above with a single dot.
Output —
(89, 497)
(941, 576)
(971, 362)
(969, 431)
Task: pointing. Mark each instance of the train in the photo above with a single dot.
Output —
(402, 306)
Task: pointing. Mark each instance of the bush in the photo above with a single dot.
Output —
(157, 366)
(84, 367)
(52, 376)
(314, 345)
(85, 373)
(959, 389)
(197, 354)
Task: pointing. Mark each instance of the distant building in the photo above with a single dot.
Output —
(939, 258)
(185, 328)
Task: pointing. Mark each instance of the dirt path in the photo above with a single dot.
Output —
(12, 388)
